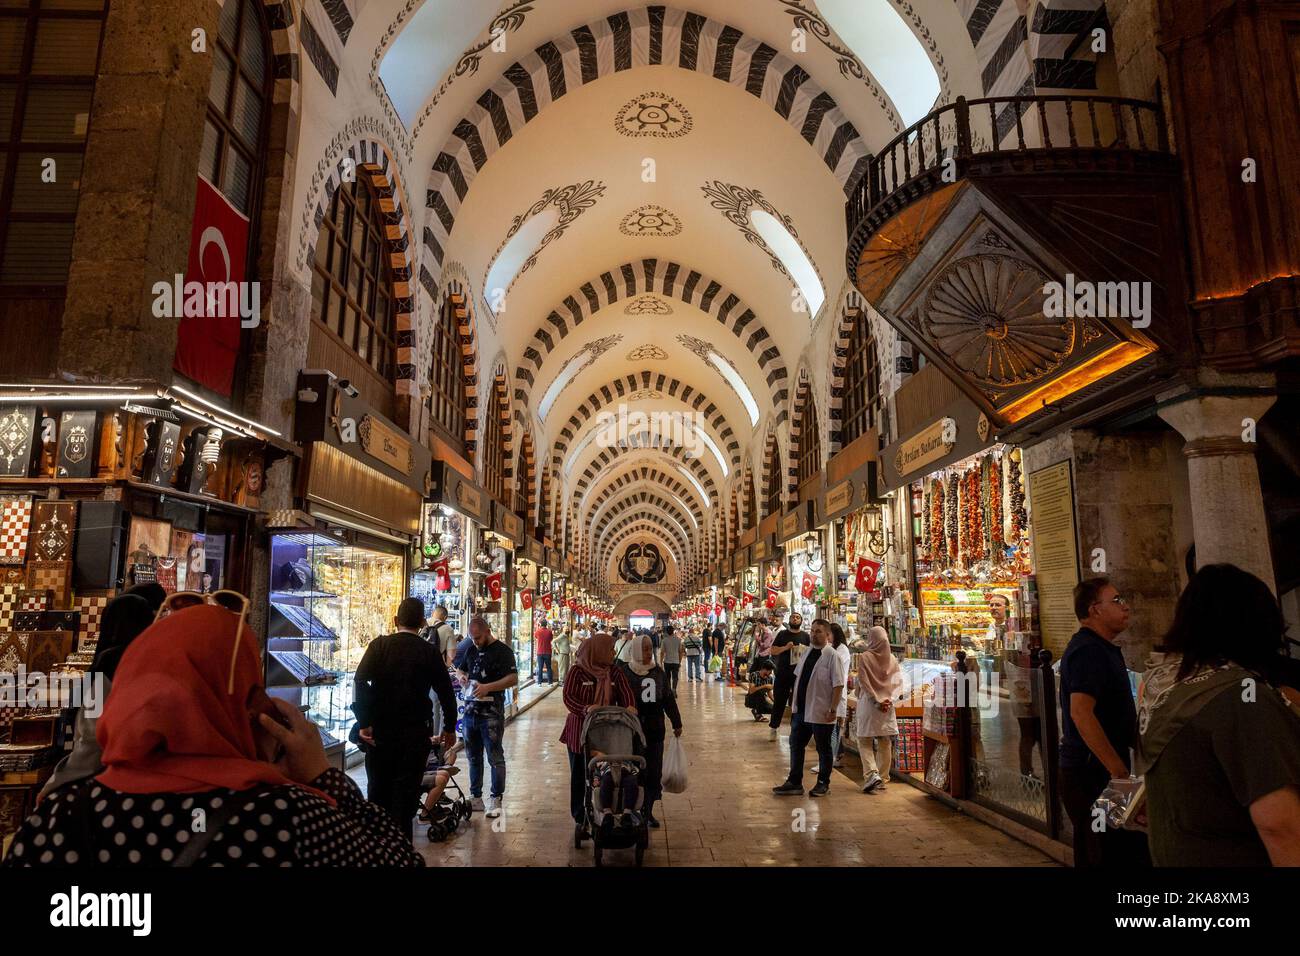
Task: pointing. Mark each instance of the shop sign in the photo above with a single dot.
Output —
(790, 526)
(760, 549)
(379, 440)
(839, 498)
(469, 499)
(930, 445)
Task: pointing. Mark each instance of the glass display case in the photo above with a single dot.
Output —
(329, 598)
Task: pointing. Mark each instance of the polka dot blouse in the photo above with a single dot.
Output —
(87, 824)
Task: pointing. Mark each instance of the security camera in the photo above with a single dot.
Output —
(348, 388)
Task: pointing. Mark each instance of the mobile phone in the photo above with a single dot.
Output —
(259, 702)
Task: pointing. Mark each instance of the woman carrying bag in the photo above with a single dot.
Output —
(654, 700)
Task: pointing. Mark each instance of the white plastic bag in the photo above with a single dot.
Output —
(674, 775)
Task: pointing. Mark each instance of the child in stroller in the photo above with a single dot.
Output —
(612, 746)
(443, 813)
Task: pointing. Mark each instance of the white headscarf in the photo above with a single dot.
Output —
(634, 660)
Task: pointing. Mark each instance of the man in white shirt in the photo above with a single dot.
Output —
(819, 681)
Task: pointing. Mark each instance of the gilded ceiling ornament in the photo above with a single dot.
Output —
(654, 114)
(985, 312)
(647, 353)
(648, 305)
(650, 220)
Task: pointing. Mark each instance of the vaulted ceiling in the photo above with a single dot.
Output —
(601, 176)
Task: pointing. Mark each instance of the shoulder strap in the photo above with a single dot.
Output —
(194, 849)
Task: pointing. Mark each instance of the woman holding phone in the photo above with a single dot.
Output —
(202, 768)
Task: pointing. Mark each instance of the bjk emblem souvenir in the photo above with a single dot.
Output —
(868, 572)
(526, 598)
(442, 575)
(771, 598)
(547, 600)
(809, 586)
(746, 600)
(494, 585)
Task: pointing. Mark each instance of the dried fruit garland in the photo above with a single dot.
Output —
(1016, 498)
(938, 548)
(996, 540)
(950, 516)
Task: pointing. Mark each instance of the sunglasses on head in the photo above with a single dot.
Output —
(232, 601)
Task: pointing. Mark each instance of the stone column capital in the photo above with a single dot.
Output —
(1216, 421)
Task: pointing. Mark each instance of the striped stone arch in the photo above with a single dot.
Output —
(645, 527)
(371, 159)
(650, 519)
(665, 278)
(617, 390)
(644, 36)
(1054, 27)
(619, 505)
(501, 408)
(609, 455)
(528, 480)
(772, 458)
(803, 394)
(643, 475)
(456, 294)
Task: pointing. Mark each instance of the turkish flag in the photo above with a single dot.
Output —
(731, 602)
(526, 599)
(494, 585)
(771, 598)
(868, 572)
(717, 610)
(442, 575)
(746, 599)
(207, 345)
(573, 604)
(809, 586)
(547, 601)
(701, 610)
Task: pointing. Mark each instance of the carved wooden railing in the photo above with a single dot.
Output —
(940, 148)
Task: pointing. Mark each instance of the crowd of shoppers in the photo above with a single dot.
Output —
(187, 725)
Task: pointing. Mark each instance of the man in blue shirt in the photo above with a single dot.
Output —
(1098, 723)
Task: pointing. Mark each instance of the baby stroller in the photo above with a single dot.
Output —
(614, 793)
(445, 816)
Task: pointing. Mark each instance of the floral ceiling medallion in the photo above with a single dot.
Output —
(736, 203)
(570, 202)
(654, 114)
(647, 353)
(648, 305)
(650, 220)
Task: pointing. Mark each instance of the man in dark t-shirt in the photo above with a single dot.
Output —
(489, 669)
(788, 644)
(393, 707)
(1098, 724)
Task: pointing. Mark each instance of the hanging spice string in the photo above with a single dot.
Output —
(938, 549)
(1016, 497)
(951, 512)
(995, 507)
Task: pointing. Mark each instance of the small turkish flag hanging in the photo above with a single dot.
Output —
(746, 599)
(494, 585)
(701, 610)
(442, 575)
(868, 572)
(771, 598)
(731, 602)
(717, 610)
(573, 604)
(526, 598)
(809, 586)
(547, 601)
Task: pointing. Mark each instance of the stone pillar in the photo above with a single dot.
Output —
(137, 190)
(1227, 503)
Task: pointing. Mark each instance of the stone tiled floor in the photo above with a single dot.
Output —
(728, 816)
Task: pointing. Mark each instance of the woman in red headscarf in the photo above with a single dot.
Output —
(202, 768)
(593, 681)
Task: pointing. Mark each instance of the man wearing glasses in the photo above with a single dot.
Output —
(1099, 724)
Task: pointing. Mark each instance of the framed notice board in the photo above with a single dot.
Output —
(1056, 553)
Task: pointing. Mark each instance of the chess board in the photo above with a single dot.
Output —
(33, 600)
(8, 605)
(91, 607)
(54, 576)
(15, 521)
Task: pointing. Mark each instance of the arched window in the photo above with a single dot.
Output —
(447, 373)
(810, 443)
(862, 396)
(772, 476)
(494, 448)
(239, 95)
(352, 281)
